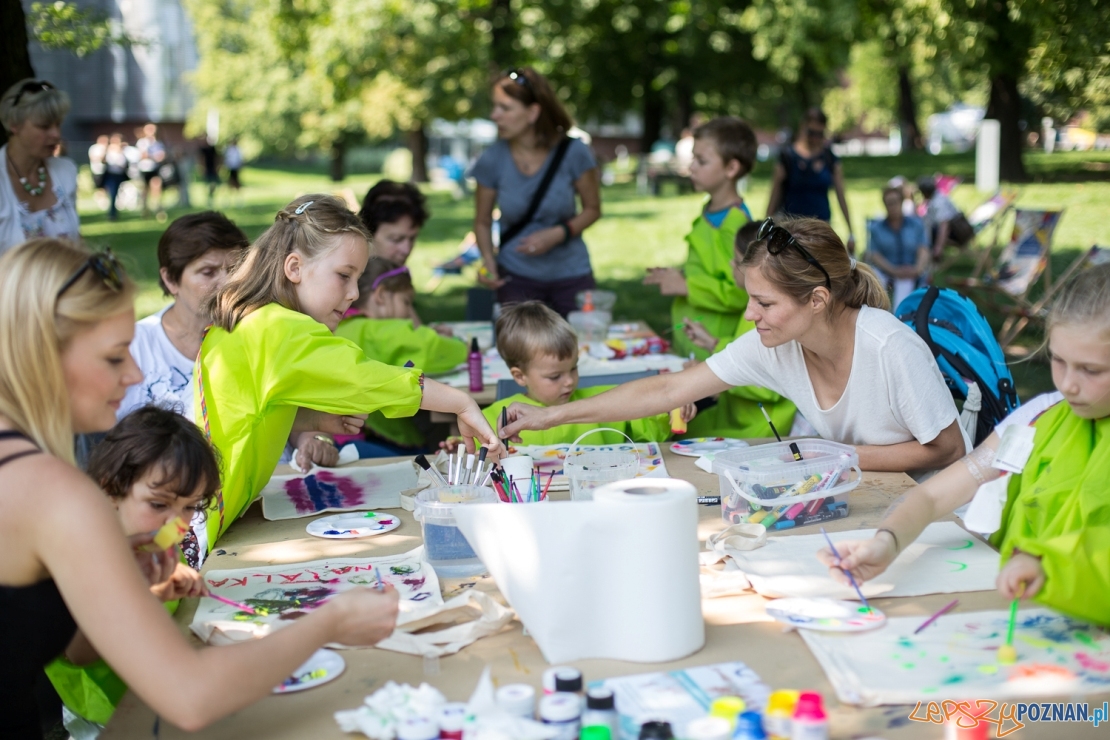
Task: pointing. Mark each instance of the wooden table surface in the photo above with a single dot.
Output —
(737, 629)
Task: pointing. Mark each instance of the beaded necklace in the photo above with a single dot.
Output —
(33, 191)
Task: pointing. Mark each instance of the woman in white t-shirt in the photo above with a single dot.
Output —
(195, 255)
(825, 340)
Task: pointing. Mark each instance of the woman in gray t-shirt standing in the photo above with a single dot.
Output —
(541, 257)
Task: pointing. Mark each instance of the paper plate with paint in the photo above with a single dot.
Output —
(698, 446)
(322, 667)
(353, 526)
(828, 615)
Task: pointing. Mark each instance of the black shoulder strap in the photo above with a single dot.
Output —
(511, 233)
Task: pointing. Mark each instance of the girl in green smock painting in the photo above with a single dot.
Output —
(272, 352)
(1055, 525)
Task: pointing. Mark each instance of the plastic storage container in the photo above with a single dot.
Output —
(596, 300)
(590, 326)
(445, 546)
(765, 485)
(589, 469)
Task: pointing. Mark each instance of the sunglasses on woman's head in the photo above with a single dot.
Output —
(779, 239)
(519, 78)
(31, 87)
(103, 264)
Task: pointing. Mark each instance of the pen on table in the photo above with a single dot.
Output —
(845, 572)
(793, 446)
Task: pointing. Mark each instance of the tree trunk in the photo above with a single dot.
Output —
(653, 118)
(907, 112)
(502, 36)
(1005, 107)
(337, 169)
(418, 145)
(15, 59)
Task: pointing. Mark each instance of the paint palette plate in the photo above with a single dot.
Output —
(827, 615)
(699, 446)
(322, 667)
(353, 525)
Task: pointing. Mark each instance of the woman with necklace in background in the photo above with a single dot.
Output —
(38, 196)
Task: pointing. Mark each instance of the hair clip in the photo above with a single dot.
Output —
(303, 207)
(851, 264)
(385, 275)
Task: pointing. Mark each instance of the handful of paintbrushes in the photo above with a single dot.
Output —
(465, 469)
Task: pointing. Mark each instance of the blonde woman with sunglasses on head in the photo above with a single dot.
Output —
(823, 339)
(66, 320)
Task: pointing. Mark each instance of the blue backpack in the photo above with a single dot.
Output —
(965, 349)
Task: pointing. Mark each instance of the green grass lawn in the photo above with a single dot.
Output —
(636, 231)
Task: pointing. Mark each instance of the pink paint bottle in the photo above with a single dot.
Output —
(474, 366)
(810, 721)
(452, 717)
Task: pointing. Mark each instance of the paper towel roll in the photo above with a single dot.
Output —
(616, 577)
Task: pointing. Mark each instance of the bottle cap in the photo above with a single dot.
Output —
(810, 707)
(549, 678)
(782, 701)
(417, 728)
(569, 680)
(474, 345)
(595, 732)
(727, 708)
(452, 716)
(709, 728)
(656, 730)
(560, 707)
(600, 699)
(749, 726)
(518, 699)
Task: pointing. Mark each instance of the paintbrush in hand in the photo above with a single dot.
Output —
(845, 572)
(1007, 655)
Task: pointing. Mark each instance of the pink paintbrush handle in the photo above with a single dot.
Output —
(236, 604)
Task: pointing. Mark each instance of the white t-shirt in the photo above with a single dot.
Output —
(167, 374)
(895, 392)
(1028, 412)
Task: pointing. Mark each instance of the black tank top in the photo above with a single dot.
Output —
(35, 628)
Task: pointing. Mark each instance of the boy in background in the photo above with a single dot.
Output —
(541, 350)
(704, 290)
(736, 414)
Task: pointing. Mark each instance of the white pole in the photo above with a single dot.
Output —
(987, 155)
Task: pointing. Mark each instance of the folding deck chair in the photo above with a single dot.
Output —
(1020, 317)
(1022, 264)
(989, 214)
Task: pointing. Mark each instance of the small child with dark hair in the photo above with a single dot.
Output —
(541, 350)
(380, 323)
(736, 413)
(704, 289)
(156, 466)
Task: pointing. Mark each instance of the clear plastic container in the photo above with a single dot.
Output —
(601, 300)
(766, 485)
(590, 326)
(589, 469)
(444, 545)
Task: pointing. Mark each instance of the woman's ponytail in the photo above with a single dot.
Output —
(866, 289)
